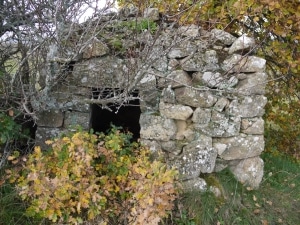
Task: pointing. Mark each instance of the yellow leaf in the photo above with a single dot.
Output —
(48, 142)
(10, 158)
(254, 198)
(78, 207)
(37, 150)
(150, 201)
(256, 19)
(11, 113)
(269, 202)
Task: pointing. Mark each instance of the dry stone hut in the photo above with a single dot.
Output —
(195, 95)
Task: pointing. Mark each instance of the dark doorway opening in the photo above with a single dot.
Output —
(126, 116)
(28, 127)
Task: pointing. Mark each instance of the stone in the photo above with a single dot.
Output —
(241, 76)
(151, 14)
(173, 64)
(196, 184)
(243, 64)
(45, 133)
(73, 119)
(239, 147)
(249, 171)
(193, 63)
(168, 95)
(248, 106)
(216, 191)
(220, 125)
(197, 157)
(95, 49)
(177, 78)
(243, 43)
(189, 31)
(189, 134)
(223, 37)
(201, 116)
(130, 11)
(220, 165)
(211, 60)
(181, 128)
(153, 145)
(197, 78)
(216, 80)
(160, 63)
(253, 84)
(201, 153)
(194, 98)
(148, 81)
(50, 118)
(157, 127)
(183, 49)
(109, 72)
(178, 112)
(220, 147)
(149, 99)
(173, 147)
(221, 104)
(252, 125)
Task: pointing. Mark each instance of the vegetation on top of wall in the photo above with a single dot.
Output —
(139, 25)
(102, 179)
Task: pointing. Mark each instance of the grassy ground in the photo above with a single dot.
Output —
(11, 207)
(276, 202)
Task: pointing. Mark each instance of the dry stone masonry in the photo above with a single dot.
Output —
(201, 98)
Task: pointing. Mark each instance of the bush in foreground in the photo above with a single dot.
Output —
(85, 177)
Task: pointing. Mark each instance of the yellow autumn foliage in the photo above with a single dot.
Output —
(85, 177)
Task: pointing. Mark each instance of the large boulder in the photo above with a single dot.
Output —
(109, 72)
(196, 184)
(242, 44)
(95, 48)
(217, 80)
(177, 78)
(249, 171)
(223, 37)
(157, 127)
(178, 112)
(194, 62)
(252, 84)
(252, 125)
(195, 98)
(244, 64)
(220, 125)
(239, 147)
(248, 106)
(197, 157)
(50, 118)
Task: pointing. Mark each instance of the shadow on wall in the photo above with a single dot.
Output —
(126, 117)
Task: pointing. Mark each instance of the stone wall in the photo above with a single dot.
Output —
(201, 99)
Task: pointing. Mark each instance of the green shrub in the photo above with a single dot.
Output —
(85, 177)
(9, 129)
(140, 26)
